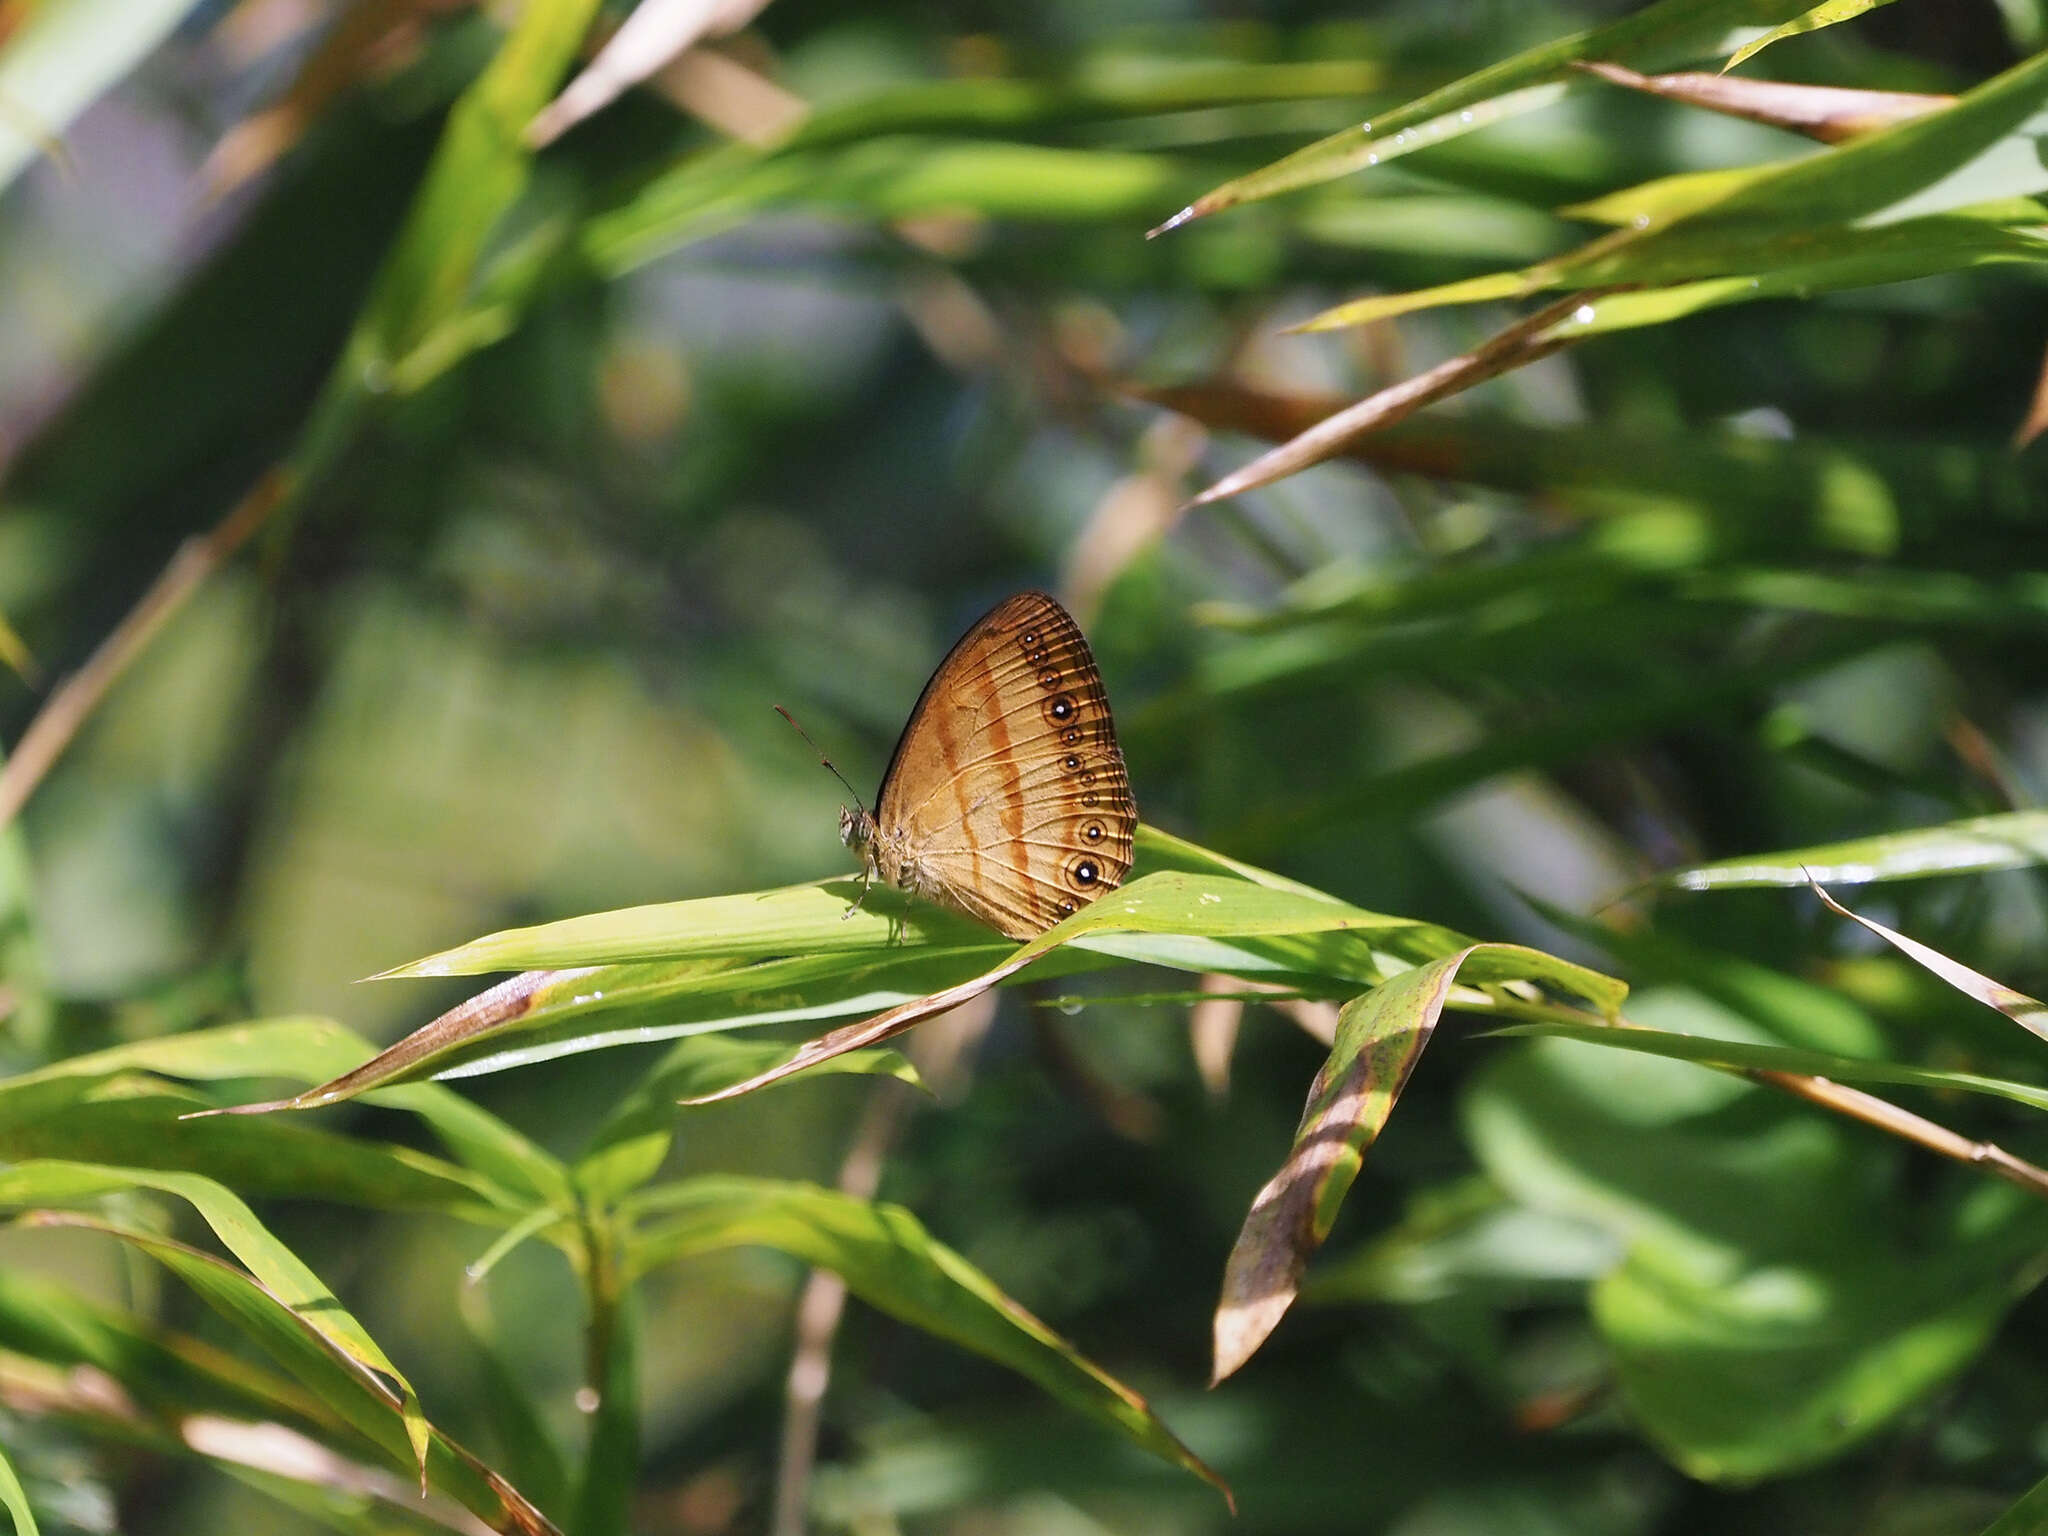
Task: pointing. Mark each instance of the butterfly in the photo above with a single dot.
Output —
(1007, 797)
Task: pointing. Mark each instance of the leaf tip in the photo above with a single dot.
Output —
(433, 965)
(1187, 215)
(241, 1109)
(1242, 1327)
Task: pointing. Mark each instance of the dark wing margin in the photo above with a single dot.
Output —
(1005, 615)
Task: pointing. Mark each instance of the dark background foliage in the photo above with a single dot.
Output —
(511, 657)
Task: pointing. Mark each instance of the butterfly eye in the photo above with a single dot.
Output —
(1029, 640)
(1061, 709)
(1091, 799)
(1067, 908)
(1070, 735)
(1085, 873)
(1071, 763)
(1049, 678)
(1093, 832)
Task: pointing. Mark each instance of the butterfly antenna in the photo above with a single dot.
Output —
(830, 767)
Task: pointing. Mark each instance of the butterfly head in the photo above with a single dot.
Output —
(856, 828)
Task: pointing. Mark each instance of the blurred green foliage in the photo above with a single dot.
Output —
(593, 455)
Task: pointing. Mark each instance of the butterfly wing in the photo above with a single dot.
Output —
(1008, 786)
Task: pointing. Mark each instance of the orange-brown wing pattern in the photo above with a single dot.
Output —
(1008, 783)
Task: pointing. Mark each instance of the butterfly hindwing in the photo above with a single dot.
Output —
(1008, 783)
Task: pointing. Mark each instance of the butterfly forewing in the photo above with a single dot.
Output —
(1008, 787)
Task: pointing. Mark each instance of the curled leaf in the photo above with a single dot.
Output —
(1380, 1036)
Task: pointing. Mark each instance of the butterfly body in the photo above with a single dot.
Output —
(1007, 797)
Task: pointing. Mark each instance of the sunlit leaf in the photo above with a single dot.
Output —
(1741, 1056)
(1380, 1037)
(817, 916)
(478, 171)
(2025, 1518)
(305, 1050)
(283, 1275)
(1732, 266)
(1772, 1310)
(1826, 14)
(887, 138)
(16, 1499)
(62, 57)
(888, 1259)
(1738, 1379)
(1978, 845)
(307, 1342)
(1665, 32)
(1167, 903)
(2023, 1010)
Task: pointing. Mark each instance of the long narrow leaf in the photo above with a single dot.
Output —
(1666, 32)
(2023, 1010)
(1975, 846)
(335, 1373)
(281, 1272)
(1826, 14)
(1380, 1037)
(15, 1497)
(1744, 1056)
(887, 1258)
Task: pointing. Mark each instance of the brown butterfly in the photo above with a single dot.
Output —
(1006, 798)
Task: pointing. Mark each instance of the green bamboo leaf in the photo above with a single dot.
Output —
(1168, 903)
(543, 1013)
(1739, 1381)
(306, 1340)
(1380, 1036)
(1722, 266)
(1667, 32)
(2028, 1517)
(1743, 1056)
(280, 1271)
(478, 172)
(168, 1372)
(1925, 249)
(1792, 1010)
(129, 1119)
(886, 1257)
(1826, 14)
(1667, 199)
(1776, 1305)
(180, 1396)
(306, 1050)
(2023, 1010)
(1977, 845)
(707, 191)
(540, 1015)
(820, 915)
(15, 1498)
(65, 55)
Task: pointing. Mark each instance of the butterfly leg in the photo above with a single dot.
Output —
(867, 875)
